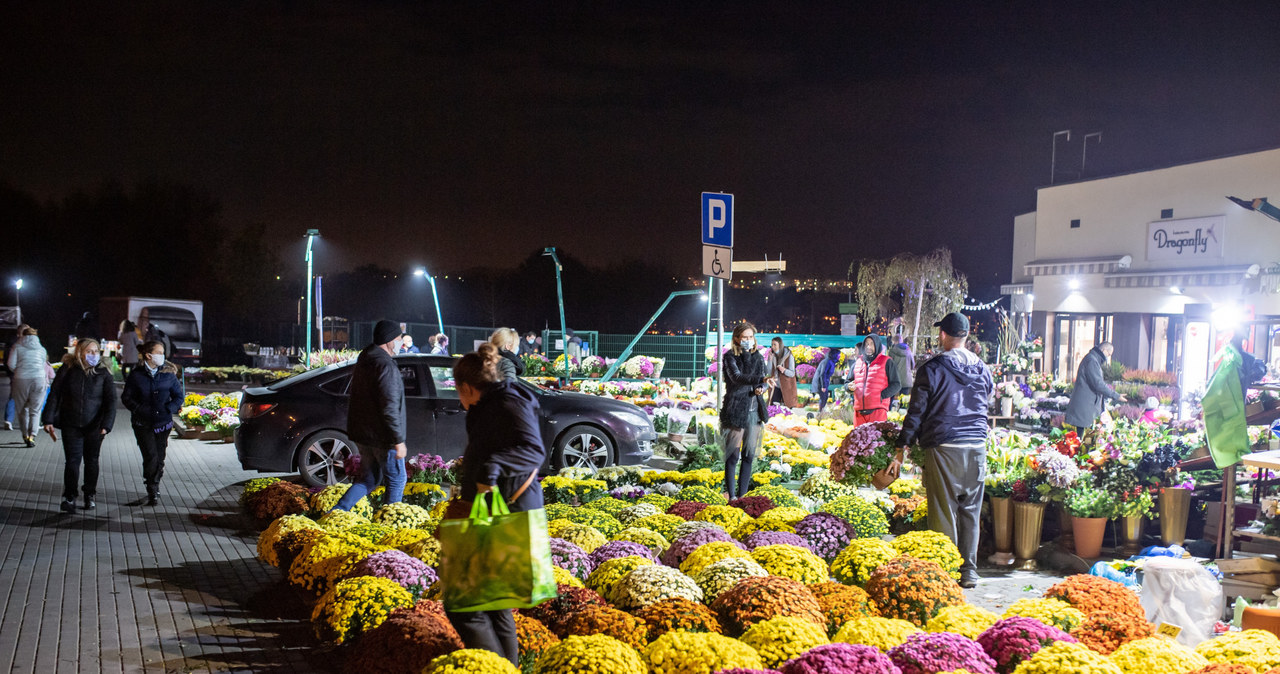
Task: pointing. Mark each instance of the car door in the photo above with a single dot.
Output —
(450, 418)
(419, 417)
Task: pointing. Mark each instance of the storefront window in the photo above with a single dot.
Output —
(1074, 336)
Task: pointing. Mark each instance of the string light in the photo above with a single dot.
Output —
(983, 307)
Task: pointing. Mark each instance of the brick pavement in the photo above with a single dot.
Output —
(131, 588)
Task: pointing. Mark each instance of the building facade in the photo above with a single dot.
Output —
(1158, 262)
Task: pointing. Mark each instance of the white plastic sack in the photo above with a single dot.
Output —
(1182, 593)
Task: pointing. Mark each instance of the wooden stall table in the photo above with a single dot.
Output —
(994, 421)
(1263, 461)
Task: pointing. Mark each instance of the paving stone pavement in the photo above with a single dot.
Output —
(132, 588)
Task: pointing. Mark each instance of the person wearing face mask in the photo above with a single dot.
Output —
(743, 411)
(376, 417)
(511, 366)
(529, 344)
(873, 383)
(782, 365)
(153, 394)
(504, 450)
(82, 404)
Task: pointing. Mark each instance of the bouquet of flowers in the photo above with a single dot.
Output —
(1015, 362)
(865, 454)
(564, 365)
(1040, 382)
(594, 366)
(432, 469)
(642, 367)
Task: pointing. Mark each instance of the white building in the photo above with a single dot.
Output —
(1158, 262)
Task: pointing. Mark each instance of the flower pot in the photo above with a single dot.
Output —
(227, 439)
(1028, 521)
(1006, 407)
(1088, 532)
(675, 437)
(1039, 395)
(1002, 530)
(1175, 505)
(1129, 534)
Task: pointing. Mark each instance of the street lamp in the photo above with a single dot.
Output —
(564, 331)
(421, 272)
(613, 369)
(311, 237)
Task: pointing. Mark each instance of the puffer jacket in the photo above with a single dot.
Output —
(874, 381)
(81, 398)
(743, 373)
(153, 400)
(27, 360)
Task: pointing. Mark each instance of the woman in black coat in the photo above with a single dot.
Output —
(82, 404)
(153, 393)
(504, 450)
(743, 412)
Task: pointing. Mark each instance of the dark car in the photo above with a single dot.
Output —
(300, 423)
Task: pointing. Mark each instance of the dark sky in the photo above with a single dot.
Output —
(468, 134)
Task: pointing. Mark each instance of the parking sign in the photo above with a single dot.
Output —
(717, 219)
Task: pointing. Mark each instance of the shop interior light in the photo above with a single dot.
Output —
(1031, 296)
(1175, 290)
(1073, 284)
(1227, 317)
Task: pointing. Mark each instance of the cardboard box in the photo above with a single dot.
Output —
(1270, 580)
(1248, 565)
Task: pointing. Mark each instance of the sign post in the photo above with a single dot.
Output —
(717, 263)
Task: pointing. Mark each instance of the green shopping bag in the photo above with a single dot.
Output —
(498, 560)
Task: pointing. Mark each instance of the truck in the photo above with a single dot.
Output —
(180, 322)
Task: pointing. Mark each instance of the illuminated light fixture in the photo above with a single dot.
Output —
(1175, 290)
(1031, 296)
(1073, 284)
(1227, 317)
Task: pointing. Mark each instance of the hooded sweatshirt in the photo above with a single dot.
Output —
(949, 401)
(28, 360)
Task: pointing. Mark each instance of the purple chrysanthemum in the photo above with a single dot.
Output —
(932, 652)
(825, 533)
(685, 545)
(1013, 640)
(571, 558)
(411, 573)
(841, 659)
(761, 538)
(615, 549)
(740, 670)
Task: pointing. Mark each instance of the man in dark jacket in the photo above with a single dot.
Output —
(375, 420)
(948, 419)
(1090, 394)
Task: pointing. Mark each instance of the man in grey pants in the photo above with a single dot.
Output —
(948, 418)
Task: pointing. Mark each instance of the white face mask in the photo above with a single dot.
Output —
(748, 344)
(157, 359)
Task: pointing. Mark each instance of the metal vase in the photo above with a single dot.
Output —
(1175, 506)
(1066, 539)
(1002, 523)
(1129, 533)
(1028, 522)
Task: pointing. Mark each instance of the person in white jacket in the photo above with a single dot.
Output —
(29, 363)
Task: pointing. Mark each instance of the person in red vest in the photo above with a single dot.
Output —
(873, 383)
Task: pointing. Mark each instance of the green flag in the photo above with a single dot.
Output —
(1224, 420)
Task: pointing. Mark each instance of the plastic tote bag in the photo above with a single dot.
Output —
(498, 560)
(1183, 593)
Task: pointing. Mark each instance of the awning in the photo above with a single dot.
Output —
(1017, 289)
(1181, 278)
(1080, 265)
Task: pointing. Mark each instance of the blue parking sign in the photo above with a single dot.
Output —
(717, 219)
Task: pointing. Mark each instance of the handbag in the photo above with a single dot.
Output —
(495, 560)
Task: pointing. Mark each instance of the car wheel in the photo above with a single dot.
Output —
(322, 458)
(583, 447)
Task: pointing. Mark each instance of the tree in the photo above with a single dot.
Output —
(928, 286)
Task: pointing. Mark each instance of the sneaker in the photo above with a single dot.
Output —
(153, 499)
(89, 503)
(68, 506)
(8, 425)
(31, 441)
(969, 580)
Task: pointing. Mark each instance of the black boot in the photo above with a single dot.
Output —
(68, 506)
(88, 502)
(153, 497)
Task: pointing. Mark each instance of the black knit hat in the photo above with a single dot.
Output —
(386, 331)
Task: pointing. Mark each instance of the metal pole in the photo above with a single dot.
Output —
(719, 348)
(564, 331)
(307, 353)
(436, 297)
(613, 369)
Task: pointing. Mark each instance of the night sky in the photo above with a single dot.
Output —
(469, 134)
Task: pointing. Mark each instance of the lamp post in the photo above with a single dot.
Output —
(564, 331)
(421, 272)
(311, 236)
(613, 369)
(17, 297)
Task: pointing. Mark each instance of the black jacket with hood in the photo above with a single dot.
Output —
(504, 441)
(949, 401)
(376, 414)
(743, 374)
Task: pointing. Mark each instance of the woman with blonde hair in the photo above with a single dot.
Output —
(743, 413)
(507, 341)
(82, 404)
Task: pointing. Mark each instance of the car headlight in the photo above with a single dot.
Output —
(635, 418)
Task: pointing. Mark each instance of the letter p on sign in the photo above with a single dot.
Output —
(717, 219)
